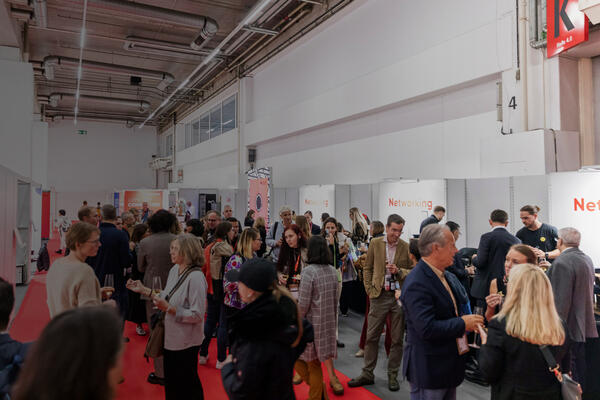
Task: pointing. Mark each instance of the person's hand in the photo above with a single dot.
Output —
(483, 334)
(471, 321)
(473, 256)
(392, 268)
(470, 270)
(330, 239)
(279, 243)
(493, 300)
(545, 264)
(107, 292)
(135, 286)
(131, 246)
(282, 279)
(539, 252)
(160, 303)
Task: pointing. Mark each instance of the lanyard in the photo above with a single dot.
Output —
(296, 266)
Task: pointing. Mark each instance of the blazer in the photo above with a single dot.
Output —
(374, 269)
(154, 258)
(315, 229)
(572, 279)
(432, 219)
(489, 262)
(517, 369)
(431, 359)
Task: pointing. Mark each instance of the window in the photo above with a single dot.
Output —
(229, 114)
(215, 121)
(169, 146)
(204, 128)
(195, 132)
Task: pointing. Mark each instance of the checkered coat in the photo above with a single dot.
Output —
(318, 301)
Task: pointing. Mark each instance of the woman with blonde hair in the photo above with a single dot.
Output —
(183, 302)
(511, 358)
(248, 245)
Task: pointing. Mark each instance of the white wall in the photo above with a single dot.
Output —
(90, 167)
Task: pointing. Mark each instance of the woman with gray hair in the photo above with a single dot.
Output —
(184, 303)
(275, 236)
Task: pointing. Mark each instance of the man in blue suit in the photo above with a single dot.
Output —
(491, 254)
(436, 343)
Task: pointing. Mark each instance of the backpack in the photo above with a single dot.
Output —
(43, 260)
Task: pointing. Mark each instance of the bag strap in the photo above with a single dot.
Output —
(551, 361)
(185, 274)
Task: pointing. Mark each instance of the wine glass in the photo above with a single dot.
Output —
(156, 288)
(109, 283)
(479, 311)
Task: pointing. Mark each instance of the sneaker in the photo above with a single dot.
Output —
(155, 380)
(340, 344)
(360, 353)
(140, 330)
(220, 364)
(202, 360)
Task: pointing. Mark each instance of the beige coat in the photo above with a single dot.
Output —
(219, 250)
(374, 269)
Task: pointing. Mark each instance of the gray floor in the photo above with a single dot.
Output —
(20, 291)
(349, 365)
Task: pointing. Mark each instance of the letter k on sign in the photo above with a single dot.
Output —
(567, 26)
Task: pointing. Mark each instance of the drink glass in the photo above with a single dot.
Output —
(479, 311)
(109, 282)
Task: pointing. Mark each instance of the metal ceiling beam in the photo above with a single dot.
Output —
(141, 105)
(262, 31)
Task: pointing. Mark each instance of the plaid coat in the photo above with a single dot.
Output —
(318, 301)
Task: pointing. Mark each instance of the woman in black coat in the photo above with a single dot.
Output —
(266, 336)
(510, 358)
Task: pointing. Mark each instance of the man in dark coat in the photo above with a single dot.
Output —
(113, 256)
(314, 228)
(491, 254)
(572, 279)
(436, 344)
(435, 218)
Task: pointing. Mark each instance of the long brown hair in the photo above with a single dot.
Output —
(526, 251)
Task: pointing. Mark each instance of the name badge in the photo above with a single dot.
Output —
(462, 345)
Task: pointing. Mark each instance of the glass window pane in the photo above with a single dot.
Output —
(204, 128)
(195, 132)
(215, 121)
(229, 114)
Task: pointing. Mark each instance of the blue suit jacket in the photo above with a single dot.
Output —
(431, 359)
(493, 247)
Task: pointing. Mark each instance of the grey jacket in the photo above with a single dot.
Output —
(572, 278)
(154, 258)
(273, 237)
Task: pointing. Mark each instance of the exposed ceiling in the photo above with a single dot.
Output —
(140, 51)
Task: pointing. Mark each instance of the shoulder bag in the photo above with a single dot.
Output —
(570, 389)
(156, 340)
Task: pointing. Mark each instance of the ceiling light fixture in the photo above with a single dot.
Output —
(258, 8)
(79, 68)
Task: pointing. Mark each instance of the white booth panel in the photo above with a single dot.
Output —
(484, 196)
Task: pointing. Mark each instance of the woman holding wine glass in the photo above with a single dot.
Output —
(184, 303)
(292, 257)
(517, 254)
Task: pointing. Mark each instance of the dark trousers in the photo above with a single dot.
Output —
(213, 322)
(578, 363)
(345, 297)
(181, 375)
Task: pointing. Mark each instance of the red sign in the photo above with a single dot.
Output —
(567, 26)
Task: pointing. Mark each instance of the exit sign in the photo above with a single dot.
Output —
(82, 132)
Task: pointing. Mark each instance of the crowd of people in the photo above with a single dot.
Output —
(272, 297)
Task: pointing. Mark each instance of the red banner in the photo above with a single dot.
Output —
(567, 26)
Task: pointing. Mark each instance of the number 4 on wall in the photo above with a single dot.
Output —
(513, 103)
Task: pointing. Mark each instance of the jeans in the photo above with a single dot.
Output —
(181, 374)
(417, 393)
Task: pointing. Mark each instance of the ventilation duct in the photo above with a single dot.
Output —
(52, 62)
(164, 48)
(41, 13)
(129, 122)
(208, 27)
(141, 105)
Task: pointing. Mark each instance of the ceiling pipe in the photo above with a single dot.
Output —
(249, 18)
(41, 13)
(208, 27)
(160, 47)
(52, 62)
(141, 105)
(129, 122)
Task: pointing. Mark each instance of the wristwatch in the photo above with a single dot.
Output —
(546, 256)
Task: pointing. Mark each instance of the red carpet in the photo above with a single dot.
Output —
(33, 316)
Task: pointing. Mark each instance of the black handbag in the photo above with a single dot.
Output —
(156, 340)
(570, 389)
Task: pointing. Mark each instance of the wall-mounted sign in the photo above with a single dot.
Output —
(318, 199)
(259, 192)
(413, 201)
(567, 26)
